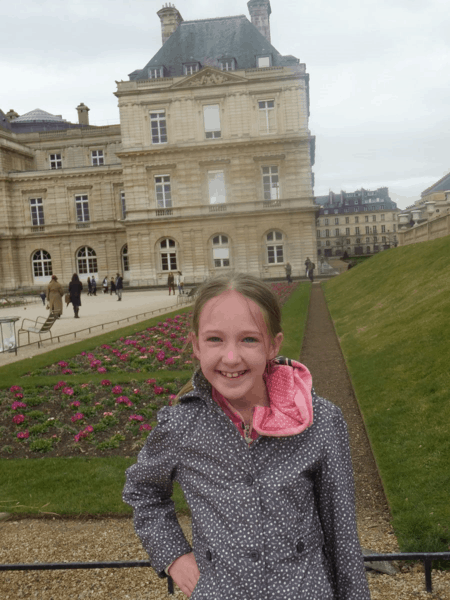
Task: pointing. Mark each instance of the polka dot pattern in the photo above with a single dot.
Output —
(274, 520)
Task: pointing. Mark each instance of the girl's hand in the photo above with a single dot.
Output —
(185, 573)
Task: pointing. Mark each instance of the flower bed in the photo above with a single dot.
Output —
(87, 419)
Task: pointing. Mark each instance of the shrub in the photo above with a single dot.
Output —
(41, 428)
(113, 442)
(41, 445)
(7, 449)
(38, 415)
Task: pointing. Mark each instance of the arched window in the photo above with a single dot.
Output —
(125, 262)
(87, 261)
(42, 264)
(275, 247)
(168, 253)
(221, 251)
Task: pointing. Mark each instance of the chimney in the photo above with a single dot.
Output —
(170, 19)
(260, 13)
(11, 115)
(83, 114)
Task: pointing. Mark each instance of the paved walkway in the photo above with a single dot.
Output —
(95, 310)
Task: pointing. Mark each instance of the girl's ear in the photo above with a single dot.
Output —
(276, 345)
(195, 345)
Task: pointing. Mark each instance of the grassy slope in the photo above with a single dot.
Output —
(392, 315)
(75, 486)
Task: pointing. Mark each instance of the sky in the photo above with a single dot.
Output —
(379, 75)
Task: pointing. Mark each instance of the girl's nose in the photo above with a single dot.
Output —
(231, 355)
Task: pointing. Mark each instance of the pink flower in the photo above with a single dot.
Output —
(84, 385)
(68, 391)
(105, 382)
(151, 381)
(19, 395)
(170, 361)
(15, 405)
(124, 400)
(67, 372)
(88, 429)
(160, 356)
(172, 396)
(158, 390)
(77, 417)
(107, 414)
(101, 370)
(117, 389)
(98, 404)
(62, 363)
(82, 353)
(23, 435)
(145, 427)
(17, 419)
(137, 391)
(15, 388)
(136, 418)
(75, 404)
(60, 384)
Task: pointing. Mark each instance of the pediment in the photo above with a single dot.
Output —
(209, 76)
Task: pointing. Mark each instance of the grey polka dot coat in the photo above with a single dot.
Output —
(271, 521)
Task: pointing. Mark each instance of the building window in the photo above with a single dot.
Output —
(356, 230)
(271, 183)
(125, 261)
(327, 233)
(82, 204)
(375, 239)
(368, 250)
(356, 219)
(55, 161)
(383, 239)
(366, 218)
(266, 116)
(374, 229)
(347, 242)
(319, 244)
(221, 251)
(367, 229)
(393, 226)
(216, 187)
(327, 243)
(190, 69)
(347, 219)
(347, 231)
(211, 118)
(318, 233)
(382, 217)
(42, 264)
(356, 209)
(381, 206)
(275, 253)
(228, 64)
(158, 127)
(263, 62)
(97, 158)
(87, 261)
(37, 211)
(156, 72)
(163, 192)
(336, 221)
(123, 204)
(358, 240)
(383, 229)
(367, 240)
(374, 217)
(168, 253)
(326, 222)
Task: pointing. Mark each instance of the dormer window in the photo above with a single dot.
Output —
(156, 72)
(227, 64)
(190, 68)
(264, 61)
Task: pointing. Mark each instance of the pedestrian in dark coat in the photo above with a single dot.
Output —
(263, 462)
(43, 297)
(94, 286)
(312, 266)
(307, 266)
(112, 287)
(105, 285)
(89, 286)
(119, 287)
(75, 287)
(171, 282)
(288, 270)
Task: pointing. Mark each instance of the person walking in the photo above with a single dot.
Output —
(182, 282)
(307, 266)
(179, 282)
(105, 285)
(55, 293)
(75, 287)
(89, 284)
(43, 297)
(288, 270)
(119, 287)
(112, 286)
(171, 282)
(312, 266)
(94, 286)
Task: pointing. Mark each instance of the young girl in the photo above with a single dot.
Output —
(263, 462)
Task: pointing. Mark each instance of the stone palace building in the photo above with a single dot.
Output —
(209, 170)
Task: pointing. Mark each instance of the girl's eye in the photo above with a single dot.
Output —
(213, 339)
(250, 339)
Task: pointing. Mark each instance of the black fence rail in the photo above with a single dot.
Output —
(426, 557)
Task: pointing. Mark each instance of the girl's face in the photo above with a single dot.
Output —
(233, 347)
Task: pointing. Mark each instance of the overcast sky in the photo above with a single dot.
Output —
(379, 74)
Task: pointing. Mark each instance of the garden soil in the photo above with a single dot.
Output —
(110, 539)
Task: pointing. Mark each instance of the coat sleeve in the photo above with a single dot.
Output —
(148, 490)
(335, 497)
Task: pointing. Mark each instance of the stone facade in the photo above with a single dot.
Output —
(208, 171)
(360, 222)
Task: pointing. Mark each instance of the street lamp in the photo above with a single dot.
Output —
(8, 342)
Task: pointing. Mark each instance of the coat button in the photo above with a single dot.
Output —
(254, 555)
(300, 546)
(208, 555)
(248, 479)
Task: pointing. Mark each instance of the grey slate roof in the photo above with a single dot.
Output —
(39, 115)
(207, 40)
(443, 185)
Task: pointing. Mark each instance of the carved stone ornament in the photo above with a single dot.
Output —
(209, 76)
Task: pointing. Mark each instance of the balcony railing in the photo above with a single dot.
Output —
(83, 225)
(37, 228)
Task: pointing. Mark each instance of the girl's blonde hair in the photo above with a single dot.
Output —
(249, 286)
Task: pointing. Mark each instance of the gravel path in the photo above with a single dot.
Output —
(57, 540)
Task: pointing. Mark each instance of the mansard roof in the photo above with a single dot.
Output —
(39, 115)
(443, 185)
(207, 41)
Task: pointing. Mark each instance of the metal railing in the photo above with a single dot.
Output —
(426, 557)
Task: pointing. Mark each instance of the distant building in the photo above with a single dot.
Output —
(210, 169)
(429, 217)
(360, 222)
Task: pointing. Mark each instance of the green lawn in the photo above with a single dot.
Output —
(392, 315)
(75, 486)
